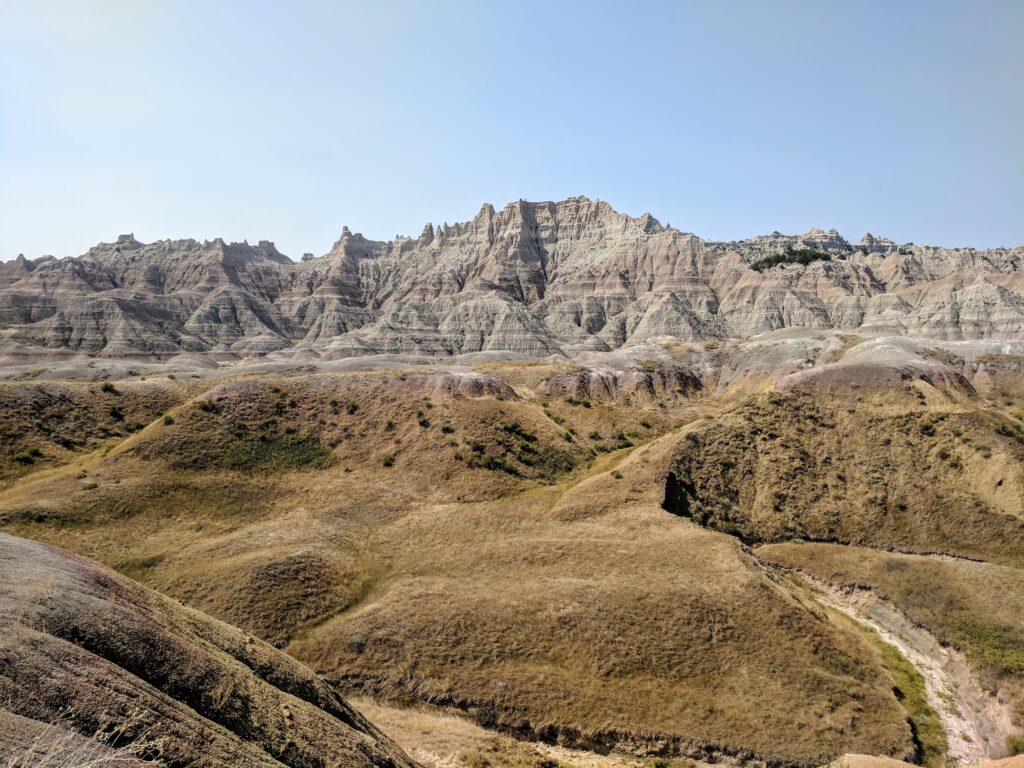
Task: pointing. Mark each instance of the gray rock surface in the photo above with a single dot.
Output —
(534, 278)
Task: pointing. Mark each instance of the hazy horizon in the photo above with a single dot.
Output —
(728, 120)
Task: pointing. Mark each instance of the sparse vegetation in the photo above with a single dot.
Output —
(28, 456)
(791, 255)
(909, 687)
(58, 745)
(271, 452)
(496, 543)
(1015, 744)
(999, 646)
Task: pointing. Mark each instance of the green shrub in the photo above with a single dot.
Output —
(621, 441)
(999, 646)
(791, 255)
(518, 430)
(28, 456)
(1008, 429)
(168, 421)
(276, 452)
(1015, 744)
(109, 388)
(492, 463)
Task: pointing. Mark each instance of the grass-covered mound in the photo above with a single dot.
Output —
(893, 473)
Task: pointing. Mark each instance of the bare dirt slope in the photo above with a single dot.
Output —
(86, 651)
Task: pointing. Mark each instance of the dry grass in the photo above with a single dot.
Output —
(975, 607)
(44, 424)
(55, 744)
(892, 473)
(136, 673)
(560, 602)
(505, 553)
(436, 738)
(566, 614)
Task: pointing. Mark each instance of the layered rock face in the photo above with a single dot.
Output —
(536, 278)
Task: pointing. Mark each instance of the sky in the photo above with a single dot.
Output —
(285, 121)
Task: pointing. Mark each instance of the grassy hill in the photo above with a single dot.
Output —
(556, 555)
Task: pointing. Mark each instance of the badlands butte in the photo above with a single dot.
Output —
(553, 488)
(536, 278)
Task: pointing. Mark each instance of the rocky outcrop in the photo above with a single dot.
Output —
(96, 669)
(534, 278)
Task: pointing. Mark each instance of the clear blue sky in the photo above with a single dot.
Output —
(285, 121)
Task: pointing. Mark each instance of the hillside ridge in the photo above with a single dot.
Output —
(541, 278)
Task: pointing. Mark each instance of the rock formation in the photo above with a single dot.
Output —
(535, 278)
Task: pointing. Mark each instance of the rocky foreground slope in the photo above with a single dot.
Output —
(97, 670)
(536, 278)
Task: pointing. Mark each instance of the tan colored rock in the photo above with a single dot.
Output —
(535, 278)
